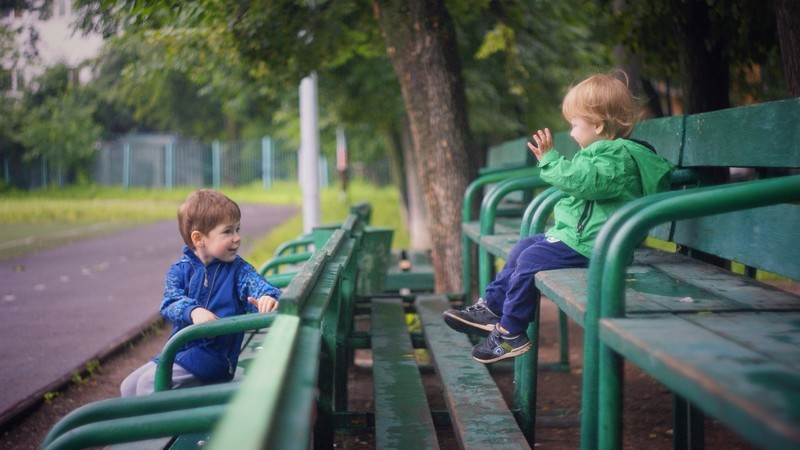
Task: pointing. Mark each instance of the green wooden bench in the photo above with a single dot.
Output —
(298, 369)
(694, 151)
(712, 336)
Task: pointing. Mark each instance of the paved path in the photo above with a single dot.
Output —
(64, 307)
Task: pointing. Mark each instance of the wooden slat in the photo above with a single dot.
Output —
(663, 282)
(766, 237)
(745, 291)
(501, 226)
(727, 137)
(480, 416)
(402, 414)
(755, 394)
(499, 245)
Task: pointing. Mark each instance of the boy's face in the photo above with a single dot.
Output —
(220, 243)
(583, 132)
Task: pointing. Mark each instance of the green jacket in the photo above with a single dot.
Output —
(599, 180)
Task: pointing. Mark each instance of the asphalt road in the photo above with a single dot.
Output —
(62, 308)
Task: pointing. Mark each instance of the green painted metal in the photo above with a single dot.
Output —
(402, 415)
(296, 245)
(281, 280)
(488, 217)
(614, 248)
(467, 205)
(273, 266)
(293, 423)
(116, 408)
(256, 404)
(226, 325)
(295, 295)
(129, 429)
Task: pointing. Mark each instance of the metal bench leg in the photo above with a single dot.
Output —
(688, 424)
(525, 379)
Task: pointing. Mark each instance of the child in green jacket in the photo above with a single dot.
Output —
(608, 172)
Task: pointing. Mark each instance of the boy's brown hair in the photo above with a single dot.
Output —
(603, 100)
(203, 210)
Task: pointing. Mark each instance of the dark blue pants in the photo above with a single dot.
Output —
(512, 294)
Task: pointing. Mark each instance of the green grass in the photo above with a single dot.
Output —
(33, 221)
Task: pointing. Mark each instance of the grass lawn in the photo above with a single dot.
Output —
(34, 221)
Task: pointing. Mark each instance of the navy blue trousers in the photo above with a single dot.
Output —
(512, 294)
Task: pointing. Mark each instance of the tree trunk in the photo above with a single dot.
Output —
(420, 40)
(415, 217)
(787, 14)
(418, 230)
(705, 67)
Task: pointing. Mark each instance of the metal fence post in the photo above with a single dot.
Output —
(169, 170)
(126, 166)
(267, 162)
(216, 163)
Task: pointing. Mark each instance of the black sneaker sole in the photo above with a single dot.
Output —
(470, 328)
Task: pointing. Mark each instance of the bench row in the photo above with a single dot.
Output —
(675, 316)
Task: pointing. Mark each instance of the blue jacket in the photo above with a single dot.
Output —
(223, 289)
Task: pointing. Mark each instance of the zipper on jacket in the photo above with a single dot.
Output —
(585, 216)
(211, 289)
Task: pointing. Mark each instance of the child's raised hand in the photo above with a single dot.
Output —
(544, 143)
(200, 315)
(264, 304)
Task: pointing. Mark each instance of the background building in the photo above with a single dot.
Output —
(42, 43)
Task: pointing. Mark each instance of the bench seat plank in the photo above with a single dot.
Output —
(741, 368)
(480, 416)
(501, 226)
(499, 244)
(402, 414)
(660, 282)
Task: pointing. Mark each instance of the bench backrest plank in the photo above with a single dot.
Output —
(764, 238)
(761, 135)
(765, 135)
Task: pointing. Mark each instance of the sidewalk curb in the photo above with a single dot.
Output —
(25, 407)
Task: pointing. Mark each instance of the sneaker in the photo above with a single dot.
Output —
(475, 319)
(500, 346)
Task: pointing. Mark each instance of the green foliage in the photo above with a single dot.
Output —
(743, 30)
(49, 396)
(518, 60)
(56, 124)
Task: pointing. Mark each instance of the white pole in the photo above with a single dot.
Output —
(309, 152)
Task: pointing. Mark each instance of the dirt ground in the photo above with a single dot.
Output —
(648, 405)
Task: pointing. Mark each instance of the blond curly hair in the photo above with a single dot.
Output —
(603, 99)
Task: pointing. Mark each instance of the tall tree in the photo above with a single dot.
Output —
(706, 44)
(520, 56)
(787, 13)
(420, 40)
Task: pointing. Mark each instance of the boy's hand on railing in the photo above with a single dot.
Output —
(264, 304)
(201, 315)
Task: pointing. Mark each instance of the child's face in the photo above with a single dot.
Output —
(584, 132)
(221, 243)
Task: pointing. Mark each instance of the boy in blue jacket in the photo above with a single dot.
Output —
(608, 172)
(210, 280)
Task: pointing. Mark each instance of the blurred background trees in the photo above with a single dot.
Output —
(211, 69)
